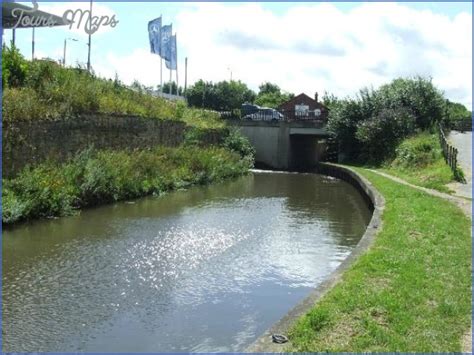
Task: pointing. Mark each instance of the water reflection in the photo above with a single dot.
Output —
(207, 269)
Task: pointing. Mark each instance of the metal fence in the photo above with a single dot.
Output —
(274, 115)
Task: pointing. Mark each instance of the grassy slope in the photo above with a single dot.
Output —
(49, 92)
(420, 161)
(433, 176)
(410, 292)
(93, 178)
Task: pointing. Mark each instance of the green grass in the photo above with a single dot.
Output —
(96, 177)
(44, 90)
(419, 161)
(411, 292)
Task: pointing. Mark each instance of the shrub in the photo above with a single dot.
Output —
(238, 143)
(25, 104)
(370, 126)
(14, 67)
(343, 120)
(418, 95)
(380, 134)
(418, 151)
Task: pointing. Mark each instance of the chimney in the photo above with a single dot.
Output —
(316, 97)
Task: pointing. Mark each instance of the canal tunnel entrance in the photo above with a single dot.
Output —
(306, 151)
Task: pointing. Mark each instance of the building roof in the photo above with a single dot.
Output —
(302, 98)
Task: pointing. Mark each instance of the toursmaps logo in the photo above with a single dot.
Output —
(78, 17)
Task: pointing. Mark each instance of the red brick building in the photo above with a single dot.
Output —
(304, 107)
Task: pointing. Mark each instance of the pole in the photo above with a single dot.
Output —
(33, 44)
(64, 53)
(171, 84)
(161, 75)
(89, 51)
(14, 36)
(185, 74)
(177, 84)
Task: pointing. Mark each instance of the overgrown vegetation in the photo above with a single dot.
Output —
(455, 112)
(370, 126)
(411, 292)
(44, 90)
(419, 160)
(95, 177)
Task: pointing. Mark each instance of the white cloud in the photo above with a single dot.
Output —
(313, 47)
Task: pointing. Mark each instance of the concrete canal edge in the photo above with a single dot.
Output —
(376, 203)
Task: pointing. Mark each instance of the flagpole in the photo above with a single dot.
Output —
(161, 75)
(185, 75)
(170, 81)
(177, 83)
(161, 58)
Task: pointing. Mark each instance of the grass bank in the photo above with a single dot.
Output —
(411, 292)
(96, 177)
(44, 90)
(419, 160)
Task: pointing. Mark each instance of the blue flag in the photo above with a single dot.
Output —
(166, 42)
(173, 62)
(154, 34)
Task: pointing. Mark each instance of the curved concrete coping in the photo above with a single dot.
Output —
(376, 203)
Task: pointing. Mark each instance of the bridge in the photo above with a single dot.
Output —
(286, 144)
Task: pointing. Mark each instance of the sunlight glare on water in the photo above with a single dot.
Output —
(203, 270)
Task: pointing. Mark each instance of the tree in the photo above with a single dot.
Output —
(416, 94)
(270, 95)
(381, 133)
(370, 126)
(268, 88)
(456, 111)
(221, 96)
(330, 100)
(174, 88)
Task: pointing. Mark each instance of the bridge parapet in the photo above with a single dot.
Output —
(286, 144)
(278, 123)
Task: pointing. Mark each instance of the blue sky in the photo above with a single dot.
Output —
(303, 47)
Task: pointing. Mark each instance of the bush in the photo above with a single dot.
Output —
(380, 134)
(238, 143)
(370, 126)
(25, 104)
(418, 151)
(14, 67)
(343, 120)
(418, 95)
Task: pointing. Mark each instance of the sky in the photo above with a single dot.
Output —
(308, 47)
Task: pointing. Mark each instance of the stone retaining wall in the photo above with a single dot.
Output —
(29, 143)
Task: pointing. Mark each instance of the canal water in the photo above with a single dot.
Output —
(204, 270)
